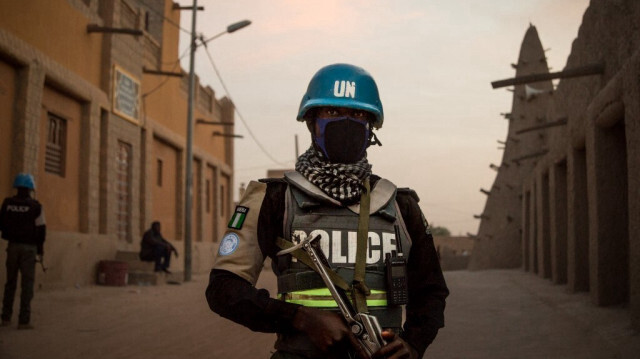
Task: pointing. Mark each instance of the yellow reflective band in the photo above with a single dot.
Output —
(321, 298)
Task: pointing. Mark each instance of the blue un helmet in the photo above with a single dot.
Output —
(343, 85)
(24, 180)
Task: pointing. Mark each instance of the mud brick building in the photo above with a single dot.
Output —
(83, 111)
(565, 204)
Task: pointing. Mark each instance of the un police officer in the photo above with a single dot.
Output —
(22, 223)
(325, 198)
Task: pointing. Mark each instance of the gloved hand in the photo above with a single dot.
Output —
(326, 329)
(396, 348)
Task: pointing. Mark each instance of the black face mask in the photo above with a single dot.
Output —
(342, 140)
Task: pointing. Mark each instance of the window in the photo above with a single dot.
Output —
(55, 151)
(146, 21)
(123, 190)
(207, 194)
(159, 174)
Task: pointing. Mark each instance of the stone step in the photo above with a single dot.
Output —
(142, 273)
(135, 264)
(127, 256)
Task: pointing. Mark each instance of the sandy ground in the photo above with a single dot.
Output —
(490, 314)
(513, 314)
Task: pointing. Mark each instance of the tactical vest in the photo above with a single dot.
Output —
(310, 212)
(20, 220)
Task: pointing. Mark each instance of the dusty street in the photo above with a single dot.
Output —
(167, 321)
(490, 314)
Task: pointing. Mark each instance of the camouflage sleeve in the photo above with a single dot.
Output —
(239, 251)
(231, 291)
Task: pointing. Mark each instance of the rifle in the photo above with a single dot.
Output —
(365, 327)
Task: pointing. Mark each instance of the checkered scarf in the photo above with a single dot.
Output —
(340, 181)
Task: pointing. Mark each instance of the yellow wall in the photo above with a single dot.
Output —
(170, 37)
(164, 102)
(61, 197)
(203, 134)
(167, 104)
(164, 197)
(196, 203)
(52, 34)
(164, 105)
(39, 21)
(209, 217)
(7, 96)
(224, 205)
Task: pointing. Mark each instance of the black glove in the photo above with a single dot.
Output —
(395, 348)
(327, 330)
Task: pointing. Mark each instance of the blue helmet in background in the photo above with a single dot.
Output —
(343, 85)
(24, 180)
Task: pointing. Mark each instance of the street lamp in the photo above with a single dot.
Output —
(189, 165)
(231, 28)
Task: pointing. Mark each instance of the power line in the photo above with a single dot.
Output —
(238, 111)
(166, 18)
(179, 58)
(219, 78)
(177, 62)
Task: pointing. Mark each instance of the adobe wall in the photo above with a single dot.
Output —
(454, 252)
(580, 216)
(498, 239)
(8, 74)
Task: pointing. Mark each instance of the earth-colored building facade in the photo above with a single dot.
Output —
(579, 208)
(103, 137)
(500, 221)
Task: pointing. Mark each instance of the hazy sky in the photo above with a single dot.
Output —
(433, 62)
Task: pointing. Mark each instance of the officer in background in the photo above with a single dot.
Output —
(22, 224)
(323, 197)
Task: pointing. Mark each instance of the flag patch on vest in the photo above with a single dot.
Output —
(237, 220)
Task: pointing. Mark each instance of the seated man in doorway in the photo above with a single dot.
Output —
(154, 248)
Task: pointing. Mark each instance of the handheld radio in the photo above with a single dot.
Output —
(396, 273)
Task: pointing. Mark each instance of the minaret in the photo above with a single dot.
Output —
(498, 242)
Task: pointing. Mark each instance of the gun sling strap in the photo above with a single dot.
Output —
(359, 290)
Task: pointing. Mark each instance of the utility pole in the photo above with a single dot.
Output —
(189, 165)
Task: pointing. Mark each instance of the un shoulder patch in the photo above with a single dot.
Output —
(237, 220)
(229, 244)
